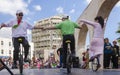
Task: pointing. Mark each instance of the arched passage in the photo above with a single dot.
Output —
(95, 8)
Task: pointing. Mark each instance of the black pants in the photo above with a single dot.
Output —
(107, 58)
(65, 46)
(16, 45)
(115, 61)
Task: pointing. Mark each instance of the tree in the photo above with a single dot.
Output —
(118, 31)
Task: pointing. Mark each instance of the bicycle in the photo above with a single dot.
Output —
(69, 57)
(20, 40)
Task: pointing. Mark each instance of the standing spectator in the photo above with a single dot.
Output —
(59, 52)
(107, 53)
(115, 54)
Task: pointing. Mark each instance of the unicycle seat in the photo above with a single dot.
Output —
(20, 39)
(67, 41)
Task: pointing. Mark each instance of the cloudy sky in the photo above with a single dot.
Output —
(35, 10)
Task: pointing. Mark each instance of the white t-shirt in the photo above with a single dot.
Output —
(21, 29)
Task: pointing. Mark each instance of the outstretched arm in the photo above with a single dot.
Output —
(88, 22)
(79, 27)
(50, 28)
(2, 25)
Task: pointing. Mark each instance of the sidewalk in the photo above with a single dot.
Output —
(75, 71)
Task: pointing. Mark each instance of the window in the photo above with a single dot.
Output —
(9, 43)
(1, 42)
(9, 51)
(2, 51)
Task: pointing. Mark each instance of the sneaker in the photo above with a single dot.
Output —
(14, 66)
(64, 66)
(59, 66)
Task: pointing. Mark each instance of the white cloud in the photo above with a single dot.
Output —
(118, 4)
(6, 32)
(37, 7)
(59, 9)
(72, 11)
(35, 22)
(88, 1)
(11, 6)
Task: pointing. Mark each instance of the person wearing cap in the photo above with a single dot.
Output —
(19, 29)
(115, 55)
(67, 28)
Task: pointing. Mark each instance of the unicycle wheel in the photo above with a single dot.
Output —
(21, 64)
(69, 62)
(95, 64)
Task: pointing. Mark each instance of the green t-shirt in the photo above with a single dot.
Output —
(67, 27)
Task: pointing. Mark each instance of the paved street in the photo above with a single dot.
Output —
(61, 72)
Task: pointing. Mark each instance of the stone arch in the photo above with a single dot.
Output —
(95, 8)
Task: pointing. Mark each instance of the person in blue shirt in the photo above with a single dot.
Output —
(107, 53)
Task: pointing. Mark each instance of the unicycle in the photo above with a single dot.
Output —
(69, 57)
(20, 39)
(95, 64)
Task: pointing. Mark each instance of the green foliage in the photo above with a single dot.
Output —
(118, 40)
(118, 31)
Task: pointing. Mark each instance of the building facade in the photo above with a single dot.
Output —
(47, 42)
(6, 48)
